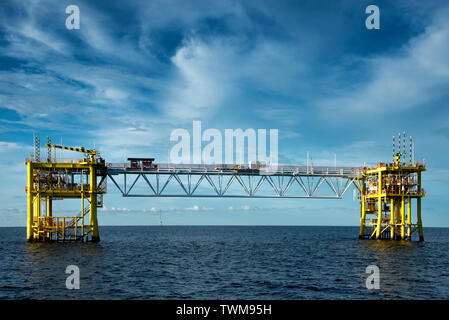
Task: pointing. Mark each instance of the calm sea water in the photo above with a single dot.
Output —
(214, 262)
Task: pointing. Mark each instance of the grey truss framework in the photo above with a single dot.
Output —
(219, 182)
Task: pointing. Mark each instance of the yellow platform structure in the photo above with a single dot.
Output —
(386, 193)
(56, 179)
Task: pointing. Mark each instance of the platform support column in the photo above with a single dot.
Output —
(418, 209)
(421, 234)
(363, 210)
(402, 218)
(93, 204)
(392, 220)
(49, 207)
(30, 210)
(379, 205)
(409, 218)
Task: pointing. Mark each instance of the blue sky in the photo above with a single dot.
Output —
(136, 70)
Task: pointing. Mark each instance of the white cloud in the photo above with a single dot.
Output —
(120, 209)
(113, 94)
(211, 73)
(198, 208)
(123, 142)
(201, 86)
(242, 208)
(8, 146)
(416, 75)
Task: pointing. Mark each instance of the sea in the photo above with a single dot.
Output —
(226, 262)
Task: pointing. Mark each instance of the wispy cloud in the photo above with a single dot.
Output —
(198, 208)
(415, 76)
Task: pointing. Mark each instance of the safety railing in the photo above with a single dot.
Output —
(62, 228)
(68, 187)
(168, 167)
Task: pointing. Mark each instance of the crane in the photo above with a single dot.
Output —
(91, 153)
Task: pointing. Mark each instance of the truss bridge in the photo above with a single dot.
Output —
(193, 180)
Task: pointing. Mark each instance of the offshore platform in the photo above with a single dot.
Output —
(57, 179)
(384, 191)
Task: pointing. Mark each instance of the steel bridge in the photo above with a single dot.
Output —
(219, 179)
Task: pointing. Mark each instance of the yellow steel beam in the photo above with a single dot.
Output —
(379, 205)
(409, 217)
(64, 194)
(418, 209)
(398, 195)
(395, 168)
(392, 220)
(93, 205)
(49, 207)
(30, 201)
(402, 218)
(362, 216)
(52, 165)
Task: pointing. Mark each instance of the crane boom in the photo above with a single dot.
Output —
(91, 153)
